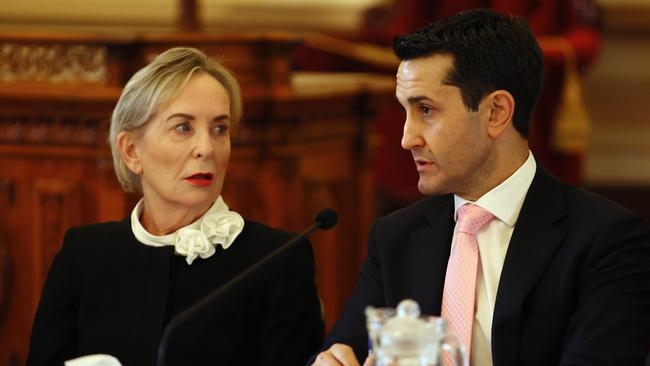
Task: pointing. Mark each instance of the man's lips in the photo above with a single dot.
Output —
(422, 164)
(200, 179)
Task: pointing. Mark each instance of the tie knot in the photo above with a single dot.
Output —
(472, 218)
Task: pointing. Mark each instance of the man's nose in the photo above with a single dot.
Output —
(411, 137)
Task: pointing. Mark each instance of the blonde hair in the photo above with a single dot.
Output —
(156, 84)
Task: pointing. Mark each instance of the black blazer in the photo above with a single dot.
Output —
(108, 293)
(574, 289)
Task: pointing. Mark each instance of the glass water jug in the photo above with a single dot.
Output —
(401, 337)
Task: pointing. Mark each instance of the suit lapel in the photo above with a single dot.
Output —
(429, 252)
(534, 241)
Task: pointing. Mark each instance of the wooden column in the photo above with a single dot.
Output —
(188, 16)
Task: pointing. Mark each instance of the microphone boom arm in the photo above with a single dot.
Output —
(325, 220)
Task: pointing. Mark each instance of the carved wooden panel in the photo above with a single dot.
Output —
(53, 63)
(55, 187)
(57, 207)
(44, 129)
(260, 61)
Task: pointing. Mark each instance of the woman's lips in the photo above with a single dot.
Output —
(200, 179)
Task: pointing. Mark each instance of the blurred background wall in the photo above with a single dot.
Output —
(323, 15)
(322, 134)
(617, 93)
(616, 86)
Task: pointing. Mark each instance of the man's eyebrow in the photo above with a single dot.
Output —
(417, 98)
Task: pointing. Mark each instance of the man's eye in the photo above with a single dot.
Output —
(183, 128)
(425, 110)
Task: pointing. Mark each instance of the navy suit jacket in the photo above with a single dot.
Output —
(574, 289)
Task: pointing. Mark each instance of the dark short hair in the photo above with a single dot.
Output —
(491, 52)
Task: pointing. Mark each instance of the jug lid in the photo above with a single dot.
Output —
(407, 336)
(405, 324)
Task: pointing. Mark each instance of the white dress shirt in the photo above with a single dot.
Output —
(504, 202)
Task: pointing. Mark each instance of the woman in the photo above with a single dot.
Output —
(114, 286)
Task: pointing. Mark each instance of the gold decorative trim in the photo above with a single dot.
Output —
(53, 63)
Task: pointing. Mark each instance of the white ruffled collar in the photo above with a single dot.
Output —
(217, 226)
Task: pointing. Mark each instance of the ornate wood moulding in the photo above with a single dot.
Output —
(58, 89)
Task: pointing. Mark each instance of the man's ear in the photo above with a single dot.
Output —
(501, 105)
(127, 148)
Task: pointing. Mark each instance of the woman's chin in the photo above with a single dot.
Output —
(203, 200)
(197, 200)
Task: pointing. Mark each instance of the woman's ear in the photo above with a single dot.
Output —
(502, 107)
(129, 152)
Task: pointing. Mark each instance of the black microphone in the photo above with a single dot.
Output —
(324, 220)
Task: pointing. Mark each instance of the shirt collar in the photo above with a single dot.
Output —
(505, 200)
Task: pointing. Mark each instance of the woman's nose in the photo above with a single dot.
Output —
(204, 145)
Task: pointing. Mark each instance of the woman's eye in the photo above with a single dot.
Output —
(183, 128)
(221, 129)
(426, 111)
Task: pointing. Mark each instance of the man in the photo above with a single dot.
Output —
(557, 275)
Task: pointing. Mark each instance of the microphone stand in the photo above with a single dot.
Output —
(325, 219)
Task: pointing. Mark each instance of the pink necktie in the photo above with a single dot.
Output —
(460, 281)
